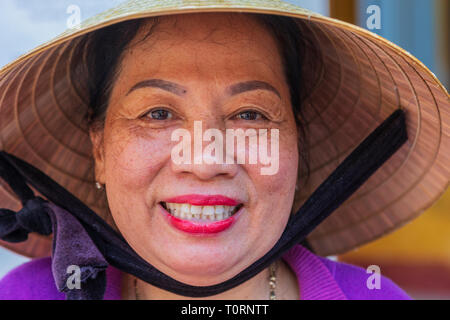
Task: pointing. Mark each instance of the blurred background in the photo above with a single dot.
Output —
(416, 257)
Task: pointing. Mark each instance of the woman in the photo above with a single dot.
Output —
(162, 95)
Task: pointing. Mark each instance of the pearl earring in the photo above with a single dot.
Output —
(98, 185)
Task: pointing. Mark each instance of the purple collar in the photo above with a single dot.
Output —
(314, 278)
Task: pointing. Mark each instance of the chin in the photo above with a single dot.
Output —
(196, 265)
(200, 272)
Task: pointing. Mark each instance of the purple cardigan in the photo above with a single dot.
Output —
(319, 279)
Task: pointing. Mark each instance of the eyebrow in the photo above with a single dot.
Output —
(161, 84)
(179, 90)
(249, 86)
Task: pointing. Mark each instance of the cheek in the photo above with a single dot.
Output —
(132, 160)
(274, 196)
(288, 157)
(275, 193)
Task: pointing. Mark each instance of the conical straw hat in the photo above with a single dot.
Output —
(363, 80)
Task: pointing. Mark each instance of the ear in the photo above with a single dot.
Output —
(96, 136)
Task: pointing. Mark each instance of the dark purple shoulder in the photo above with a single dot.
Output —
(30, 281)
(353, 282)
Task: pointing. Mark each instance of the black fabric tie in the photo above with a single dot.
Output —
(33, 217)
(72, 246)
(102, 241)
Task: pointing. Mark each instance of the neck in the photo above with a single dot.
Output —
(256, 288)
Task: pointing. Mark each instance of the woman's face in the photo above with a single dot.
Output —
(226, 71)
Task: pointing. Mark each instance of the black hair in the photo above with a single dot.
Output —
(105, 48)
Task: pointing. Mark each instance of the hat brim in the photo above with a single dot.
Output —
(364, 79)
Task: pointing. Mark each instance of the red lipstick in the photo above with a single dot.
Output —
(201, 227)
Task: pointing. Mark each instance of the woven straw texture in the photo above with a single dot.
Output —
(363, 80)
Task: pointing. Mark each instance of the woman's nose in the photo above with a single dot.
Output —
(204, 155)
(206, 171)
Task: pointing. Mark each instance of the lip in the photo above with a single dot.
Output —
(200, 228)
(204, 200)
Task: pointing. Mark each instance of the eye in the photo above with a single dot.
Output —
(250, 115)
(158, 114)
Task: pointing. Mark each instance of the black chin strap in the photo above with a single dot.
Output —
(381, 144)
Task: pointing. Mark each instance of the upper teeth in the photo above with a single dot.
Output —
(190, 212)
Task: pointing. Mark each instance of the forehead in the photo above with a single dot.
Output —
(218, 28)
(207, 45)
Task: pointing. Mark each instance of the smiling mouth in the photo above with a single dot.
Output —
(188, 212)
